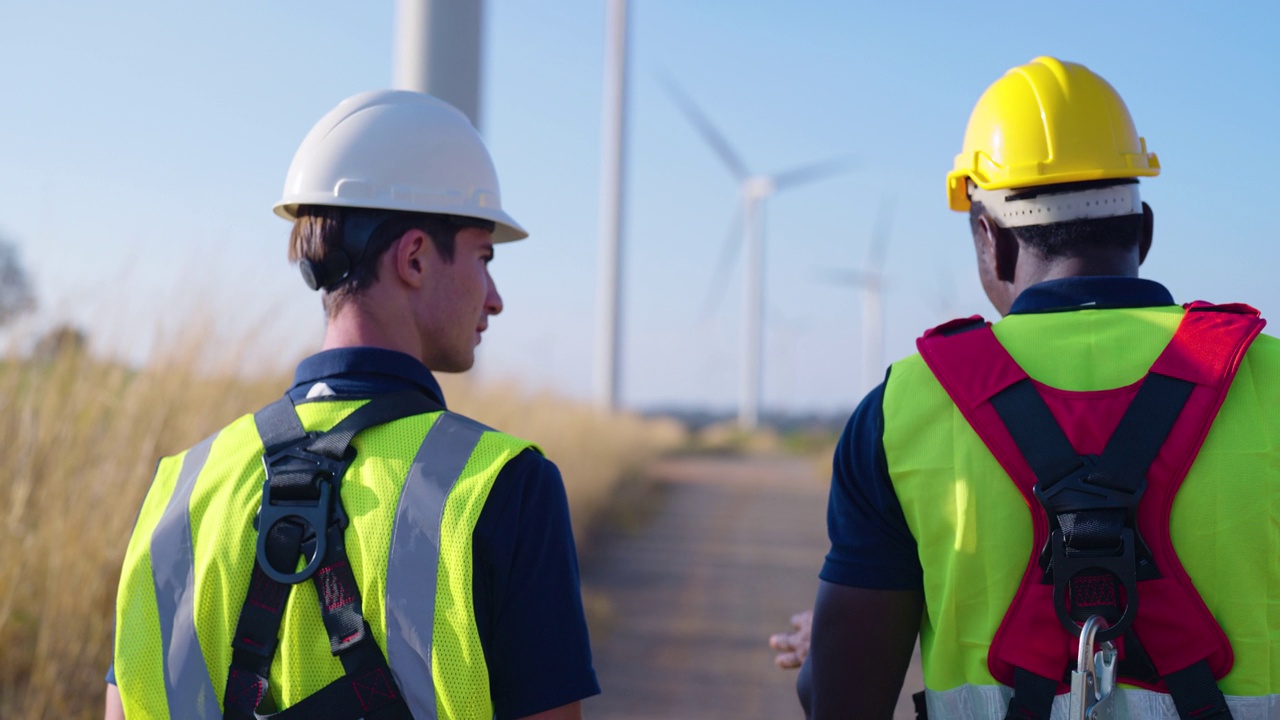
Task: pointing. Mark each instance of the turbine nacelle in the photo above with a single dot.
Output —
(758, 187)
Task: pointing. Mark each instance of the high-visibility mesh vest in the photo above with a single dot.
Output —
(188, 563)
(973, 527)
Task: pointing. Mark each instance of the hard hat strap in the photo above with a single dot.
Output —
(1016, 208)
(358, 227)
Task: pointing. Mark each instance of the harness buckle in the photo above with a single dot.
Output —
(302, 488)
(1123, 566)
(1084, 490)
(1093, 681)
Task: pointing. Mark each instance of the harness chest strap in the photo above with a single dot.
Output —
(1176, 628)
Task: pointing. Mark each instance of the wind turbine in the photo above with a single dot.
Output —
(871, 281)
(753, 191)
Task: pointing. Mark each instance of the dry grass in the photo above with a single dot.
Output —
(80, 440)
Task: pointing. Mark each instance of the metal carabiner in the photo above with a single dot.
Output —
(1094, 680)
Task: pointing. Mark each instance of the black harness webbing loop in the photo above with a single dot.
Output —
(304, 470)
(921, 703)
(1032, 696)
(1195, 693)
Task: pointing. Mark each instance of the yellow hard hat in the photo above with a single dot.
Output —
(1048, 122)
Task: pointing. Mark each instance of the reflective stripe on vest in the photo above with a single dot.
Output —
(188, 688)
(411, 583)
(971, 702)
(415, 546)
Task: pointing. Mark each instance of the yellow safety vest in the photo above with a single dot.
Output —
(187, 567)
(973, 528)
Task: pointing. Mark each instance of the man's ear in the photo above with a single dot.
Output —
(410, 255)
(984, 240)
(1007, 248)
(999, 247)
(1148, 232)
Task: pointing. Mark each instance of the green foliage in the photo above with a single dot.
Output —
(16, 293)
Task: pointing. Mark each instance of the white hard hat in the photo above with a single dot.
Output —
(397, 150)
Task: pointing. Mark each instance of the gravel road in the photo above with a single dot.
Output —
(685, 588)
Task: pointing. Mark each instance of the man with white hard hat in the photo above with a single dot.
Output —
(355, 550)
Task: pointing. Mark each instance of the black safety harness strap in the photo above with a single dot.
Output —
(1092, 502)
(302, 519)
(1032, 696)
(1094, 552)
(1196, 694)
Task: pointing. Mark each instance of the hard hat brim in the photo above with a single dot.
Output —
(958, 189)
(506, 228)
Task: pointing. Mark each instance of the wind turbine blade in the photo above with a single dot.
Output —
(812, 172)
(703, 125)
(728, 257)
(880, 235)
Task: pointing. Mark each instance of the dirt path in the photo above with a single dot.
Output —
(685, 592)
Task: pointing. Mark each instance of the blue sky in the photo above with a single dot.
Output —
(143, 143)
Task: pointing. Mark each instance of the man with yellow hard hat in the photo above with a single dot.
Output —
(1069, 507)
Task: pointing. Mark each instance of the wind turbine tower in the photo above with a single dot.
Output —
(753, 191)
(437, 51)
(612, 174)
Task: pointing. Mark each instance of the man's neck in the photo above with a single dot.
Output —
(355, 325)
(1034, 270)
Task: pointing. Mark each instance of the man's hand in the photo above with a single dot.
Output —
(114, 706)
(793, 647)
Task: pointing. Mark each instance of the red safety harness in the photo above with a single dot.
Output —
(1099, 471)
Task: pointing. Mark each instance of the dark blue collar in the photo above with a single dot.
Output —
(364, 372)
(1080, 293)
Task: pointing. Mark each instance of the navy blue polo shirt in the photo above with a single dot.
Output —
(871, 545)
(528, 604)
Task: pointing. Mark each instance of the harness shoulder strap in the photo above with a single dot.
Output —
(302, 517)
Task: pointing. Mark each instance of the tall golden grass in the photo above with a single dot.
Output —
(81, 437)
